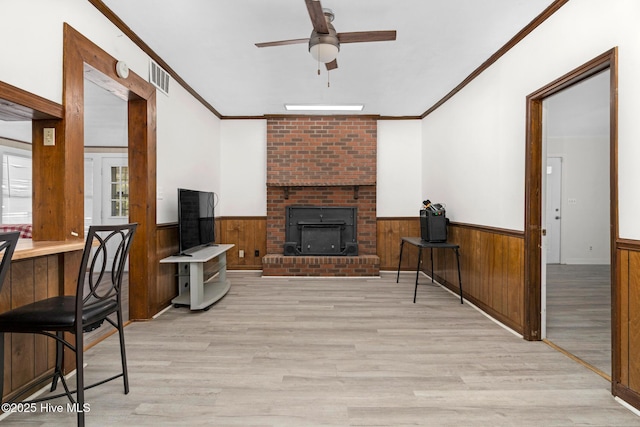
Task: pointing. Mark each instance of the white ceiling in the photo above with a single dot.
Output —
(210, 44)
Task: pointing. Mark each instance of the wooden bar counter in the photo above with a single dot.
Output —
(38, 270)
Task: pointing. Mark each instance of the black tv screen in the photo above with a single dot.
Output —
(196, 220)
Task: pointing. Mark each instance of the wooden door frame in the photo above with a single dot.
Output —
(67, 198)
(533, 193)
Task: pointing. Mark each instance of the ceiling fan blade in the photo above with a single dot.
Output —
(283, 42)
(332, 65)
(317, 16)
(367, 36)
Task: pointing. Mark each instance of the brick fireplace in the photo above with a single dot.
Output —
(321, 161)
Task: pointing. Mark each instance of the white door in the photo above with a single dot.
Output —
(115, 191)
(554, 208)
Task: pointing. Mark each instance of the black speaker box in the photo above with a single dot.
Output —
(433, 225)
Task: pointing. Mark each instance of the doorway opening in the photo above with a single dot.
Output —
(578, 239)
(576, 256)
(106, 170)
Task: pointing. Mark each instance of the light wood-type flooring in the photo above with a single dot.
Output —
(579, 312)
(337, 352)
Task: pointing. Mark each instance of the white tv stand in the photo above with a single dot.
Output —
(200, 284)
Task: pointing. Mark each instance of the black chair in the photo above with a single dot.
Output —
(8, 242)
(98, 296)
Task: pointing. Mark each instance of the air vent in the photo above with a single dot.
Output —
(159, 77)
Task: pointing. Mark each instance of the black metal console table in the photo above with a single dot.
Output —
(419, 243)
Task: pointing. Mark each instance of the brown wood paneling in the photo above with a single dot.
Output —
(623, 316)
(5, 305)
(48, 189)
(40, 277)
(22, 345)
(626, 322)
(389, 232)
(634, 320)
(167, 288)
(515, 281)
(491, 263)
(55, 287)
(247, 234)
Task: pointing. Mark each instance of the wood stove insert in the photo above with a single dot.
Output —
(321, 230)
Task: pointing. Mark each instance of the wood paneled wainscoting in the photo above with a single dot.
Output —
(626, 375)
(491, 261)
(248, 234)
(166, 289)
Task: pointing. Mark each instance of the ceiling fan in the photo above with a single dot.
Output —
(324, 41)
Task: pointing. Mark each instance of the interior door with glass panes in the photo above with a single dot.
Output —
(115, 193)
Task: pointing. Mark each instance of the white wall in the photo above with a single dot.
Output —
(585, 180)
(399, 180)
(244, 172)
(189, 154)
(474, 153)
(188, 135)
(244, 168)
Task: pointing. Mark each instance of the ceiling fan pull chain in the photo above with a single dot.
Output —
(328, 80)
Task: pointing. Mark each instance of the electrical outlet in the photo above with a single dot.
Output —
(49, 136)
(256, 253)
(241, 253)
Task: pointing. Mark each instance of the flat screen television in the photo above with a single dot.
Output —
(196, 220)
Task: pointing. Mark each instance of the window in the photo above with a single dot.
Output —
(16, 189)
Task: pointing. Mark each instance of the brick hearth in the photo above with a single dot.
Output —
(321, 161)
(281, 265)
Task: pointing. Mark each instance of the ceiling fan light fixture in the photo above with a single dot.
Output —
(324, 52)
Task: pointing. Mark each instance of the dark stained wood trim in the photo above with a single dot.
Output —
(628, 244)
(115, 20)
(265, 117)
(81, 56)
(251, 217)
(533, 201)
(391, 118)
(553, 8)
(493, 230)
(243, 118)
(533, 182)
(17, 104)
(321, 117)
(487, 229)
(533, 222)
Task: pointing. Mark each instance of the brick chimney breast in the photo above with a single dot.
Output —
(321, 161)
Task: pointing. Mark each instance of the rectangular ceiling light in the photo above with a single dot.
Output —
(323, 107)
